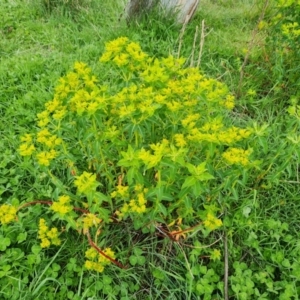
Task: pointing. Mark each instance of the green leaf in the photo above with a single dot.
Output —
(160, 193)
(162, 209)
(138, 251)
(36, 249)
(189, 181)
(133, 173)
(107, 280)
(4, 242)
(196, 170)
(286, 263)
(5, 271)
(141, 260)
(205, 177)
(246, 211)
(130, 158)
(197, 189)
(133, 260)
(159, 274)
(21, 237)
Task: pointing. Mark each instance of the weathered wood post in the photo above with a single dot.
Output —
(184, 9)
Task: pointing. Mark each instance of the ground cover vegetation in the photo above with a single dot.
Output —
(148, 160)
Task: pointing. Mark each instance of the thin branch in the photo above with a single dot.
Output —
(201, 43)
(181, 38)
(194, 47)
(204, 247)
(47, 202)
(102, 253)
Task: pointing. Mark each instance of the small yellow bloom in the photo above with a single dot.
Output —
(96, 261)
(180, 140)
(88, 265)
(45, 243)
(60, 113)
(48, 236)
(27, 138)
(103, 260)
(86, 183)
(52, 105)
(26, 149)
(237, 156)
(44, 158)
(90, 220)
(211, 222)
(81, 68)
(8, 213)
(91, 253)
(215, 255)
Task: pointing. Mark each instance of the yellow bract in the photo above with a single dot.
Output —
(237, 156)
(211, 222)
(48, 236)
(96, 261)
(8, 213)
(62, 206)
(86, 183)
(89, 220)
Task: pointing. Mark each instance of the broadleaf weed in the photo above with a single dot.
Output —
(136, 143)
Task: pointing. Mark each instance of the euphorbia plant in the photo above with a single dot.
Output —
(145, 141)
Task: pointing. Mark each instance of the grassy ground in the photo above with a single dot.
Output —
(261, 226)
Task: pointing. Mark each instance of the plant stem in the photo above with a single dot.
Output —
(102, 253)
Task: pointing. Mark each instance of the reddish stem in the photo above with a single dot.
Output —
(48, 202)
(35, 202)
(185, 230)
(102, 253)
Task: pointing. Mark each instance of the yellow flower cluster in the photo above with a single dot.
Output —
(211, 222)
(44, 158)
(77, 91)
(136, 205)
(123, 52)
(155, 72)
(86, 183)
(214, 133)
(62, 206)
(229, 102)
(215, 254)
(237, 156)
(48, 236)
(180, 140)
(45, 138)
(89, 220)
(95, 261)
(8, 213)
(291, 30)
(27, 147)
(159, 150)
(121, 191)
(179, 89)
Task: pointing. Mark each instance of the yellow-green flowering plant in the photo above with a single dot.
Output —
(145, 140)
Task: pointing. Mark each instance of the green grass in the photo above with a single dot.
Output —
(261, 223)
